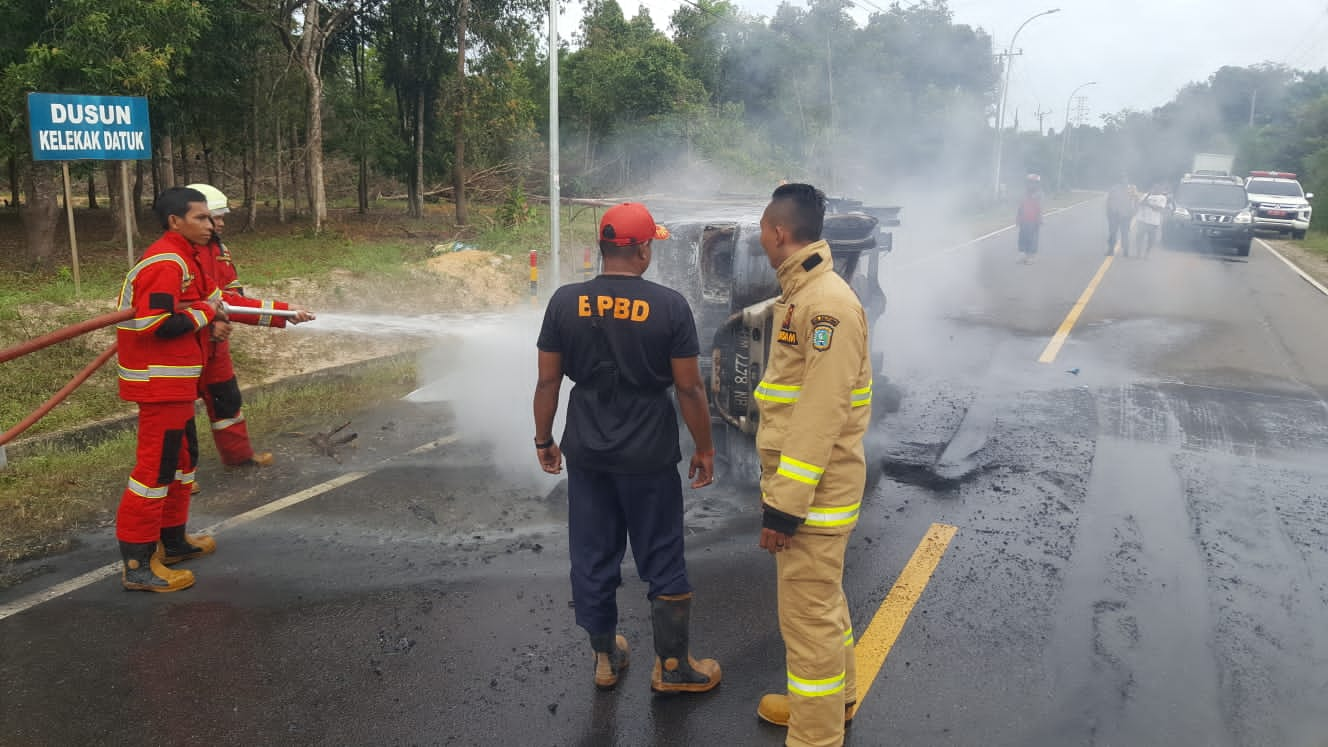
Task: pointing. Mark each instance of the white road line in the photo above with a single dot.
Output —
(106, 571)
(942, 252)
(1293, 267)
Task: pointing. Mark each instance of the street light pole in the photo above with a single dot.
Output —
(1005, 90)
(1065, 135)
(555, 180)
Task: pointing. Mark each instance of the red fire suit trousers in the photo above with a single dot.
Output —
(159, 487)
(220, 392)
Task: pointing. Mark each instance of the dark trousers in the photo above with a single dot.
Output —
(1118, 225)
(604, 510)
(1028, 237)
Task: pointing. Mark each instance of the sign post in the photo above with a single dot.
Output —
(72, 127)
(73, 239)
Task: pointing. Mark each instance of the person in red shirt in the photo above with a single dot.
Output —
(161, 356)
(218, 386)
(1029, 218)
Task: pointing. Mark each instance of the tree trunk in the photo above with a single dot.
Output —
(118, 213)
(280, 170)
(92, 190)
(138, 190)
(295, 170)
(167, 165)
(361, 95)
(251, 164)
(313, 40)
(13, 181)
(459, 166)
(41, 213)
(417, 178)
(185, 179)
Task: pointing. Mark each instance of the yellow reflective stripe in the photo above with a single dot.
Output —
(848, 638)
(221, 425)
(127, 290)
(143, 491)
(200, 319)
(800, 471)
(215, 295)
(166, 372)
(185, 477)
(265, 320)
(863, 396)
(141, 323)
(837, 516)
(783, 393)
(815, 688)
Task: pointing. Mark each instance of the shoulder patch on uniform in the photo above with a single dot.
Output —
(821, 337)
(787, 334)
(821, 319)
(811, 262)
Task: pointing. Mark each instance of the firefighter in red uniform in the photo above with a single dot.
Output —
(161, 357)
(218, 386)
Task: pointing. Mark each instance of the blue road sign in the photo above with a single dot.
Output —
(73, 127)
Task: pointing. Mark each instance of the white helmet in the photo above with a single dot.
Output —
(216, 201)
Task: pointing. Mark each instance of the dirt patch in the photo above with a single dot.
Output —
(479, 279)
(1314, 264)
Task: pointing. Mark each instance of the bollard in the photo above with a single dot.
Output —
(585, 264)
(534, 277)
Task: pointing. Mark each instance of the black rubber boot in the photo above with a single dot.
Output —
(144, 571)
(181, 546)
(610, 659)
(675, 670)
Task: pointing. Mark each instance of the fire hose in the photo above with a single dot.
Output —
(60, 335)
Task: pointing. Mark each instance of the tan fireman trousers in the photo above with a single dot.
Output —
(818, 638)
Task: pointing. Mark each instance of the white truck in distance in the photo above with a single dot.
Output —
(1213, 164)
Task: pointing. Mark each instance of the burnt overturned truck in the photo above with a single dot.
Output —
(722, 271)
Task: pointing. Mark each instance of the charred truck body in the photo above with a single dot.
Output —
(722, 271)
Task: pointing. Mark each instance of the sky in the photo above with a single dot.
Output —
(1139, 52)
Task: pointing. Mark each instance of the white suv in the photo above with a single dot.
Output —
(1279, 203)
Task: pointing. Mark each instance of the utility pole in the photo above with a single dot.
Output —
(1041, 114)
(1254, 97)
(1065, 132)
(1005, 90)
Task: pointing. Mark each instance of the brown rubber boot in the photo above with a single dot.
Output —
(179, 546)
(144, 571)
(774, 709)
(675, 670)
(610, 659)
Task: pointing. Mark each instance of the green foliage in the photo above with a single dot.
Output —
(515, 210)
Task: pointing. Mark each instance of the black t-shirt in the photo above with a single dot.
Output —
(618, 335)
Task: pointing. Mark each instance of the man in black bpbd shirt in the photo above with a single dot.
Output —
(624, 341)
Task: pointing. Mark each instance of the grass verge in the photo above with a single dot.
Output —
(58, 489)
(1316, 242)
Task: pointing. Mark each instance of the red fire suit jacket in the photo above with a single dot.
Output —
(161, 349)
(219, 271)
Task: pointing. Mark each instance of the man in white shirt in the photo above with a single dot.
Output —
(1149, 219)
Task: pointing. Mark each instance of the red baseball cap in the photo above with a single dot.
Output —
(630, 223)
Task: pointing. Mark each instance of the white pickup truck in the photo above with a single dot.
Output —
(1279, 203)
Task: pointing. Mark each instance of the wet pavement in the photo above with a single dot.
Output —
(1141, 555)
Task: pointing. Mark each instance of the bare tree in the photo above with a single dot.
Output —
(305, 27)
(459, 167)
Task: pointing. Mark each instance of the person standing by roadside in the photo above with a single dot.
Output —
(1149, 219)
(624, 341)
(1028, 218)
(1120, 211)
(218, 386)
(161, 357)
(815, 406)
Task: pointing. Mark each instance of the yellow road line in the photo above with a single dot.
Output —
(875, 644)
(1057, 340)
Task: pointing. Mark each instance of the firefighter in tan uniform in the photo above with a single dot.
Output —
(815, 404)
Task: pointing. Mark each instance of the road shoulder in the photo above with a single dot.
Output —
(1312, 263)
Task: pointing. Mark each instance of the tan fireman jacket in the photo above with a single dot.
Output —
(815, 397)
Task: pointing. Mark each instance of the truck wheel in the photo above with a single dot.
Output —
(1297, 235)
(1243, 250)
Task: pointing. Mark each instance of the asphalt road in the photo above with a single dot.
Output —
(1141, 555)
